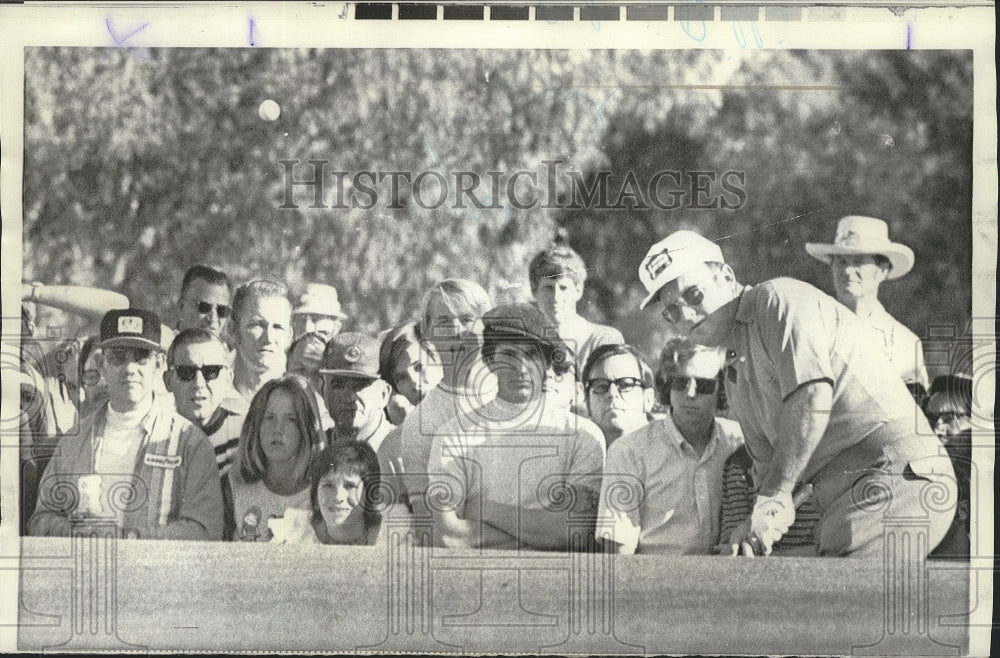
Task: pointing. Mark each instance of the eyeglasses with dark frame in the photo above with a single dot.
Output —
(623, 384)
(204, 308)
(702, 386)
(188, 373)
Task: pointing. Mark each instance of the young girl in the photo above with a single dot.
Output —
(280, 436)
(345, 490)
(411, 366)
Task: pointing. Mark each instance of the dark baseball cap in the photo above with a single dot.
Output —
(130, 327)
(351, 355)
(523, 322)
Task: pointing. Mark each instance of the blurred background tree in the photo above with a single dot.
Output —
(139, 164)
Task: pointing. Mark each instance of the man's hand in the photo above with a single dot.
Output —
(771, 518)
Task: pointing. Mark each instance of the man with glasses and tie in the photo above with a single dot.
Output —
(205, 300)
(619, 390)
(672, 467)
(201, 379)
(135, 464)
(819, 403)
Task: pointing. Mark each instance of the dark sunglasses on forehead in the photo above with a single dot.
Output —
(118, 356)
(623, 384)
(693, 296)
(188, 373)
(701, 386)
(222, 310)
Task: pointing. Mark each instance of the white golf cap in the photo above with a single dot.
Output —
(673, 256)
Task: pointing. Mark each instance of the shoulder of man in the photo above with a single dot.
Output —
(235, 403)
(639, 438)
(729, 432)
(586, 429)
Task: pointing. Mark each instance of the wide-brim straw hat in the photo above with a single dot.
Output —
(860, 236)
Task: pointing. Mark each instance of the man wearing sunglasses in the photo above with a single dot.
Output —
(671, 466)
(205, 300)
(201, 380)
(134, 445)
(817, 401)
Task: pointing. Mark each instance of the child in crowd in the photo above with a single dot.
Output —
(281, 435)
(557, 275)
(411, 367)
(305, 356)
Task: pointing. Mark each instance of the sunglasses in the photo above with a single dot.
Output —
(222, 310)
(701, 386)
(623, 384)
(188, 373)
(118, 356)
(693, 296)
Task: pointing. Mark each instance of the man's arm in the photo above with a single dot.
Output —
(51, 515)
(802, 422)
(85, 301)
(451, 531)
(541, 528)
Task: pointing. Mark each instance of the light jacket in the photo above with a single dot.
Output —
(174, 492)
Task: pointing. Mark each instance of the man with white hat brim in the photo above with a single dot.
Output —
(865, 236)
(861, 258)
(318, 310)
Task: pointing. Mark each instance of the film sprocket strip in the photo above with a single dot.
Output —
(626, 10)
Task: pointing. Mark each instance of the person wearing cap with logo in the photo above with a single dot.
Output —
(355, 395)
(818, 403)
(861, 258)
(672, 467)
(318, 310)
(517, 473)
(134, 463)
(261, 329)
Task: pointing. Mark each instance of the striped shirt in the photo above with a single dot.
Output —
(224, 429)
(737, 505)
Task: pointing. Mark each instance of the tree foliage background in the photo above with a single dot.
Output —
(139, 164)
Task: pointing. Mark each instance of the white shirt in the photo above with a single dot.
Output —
(418, 430)
(659, 495)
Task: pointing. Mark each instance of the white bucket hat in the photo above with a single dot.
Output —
(673, 256)
(320, 299)
(860, 236)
